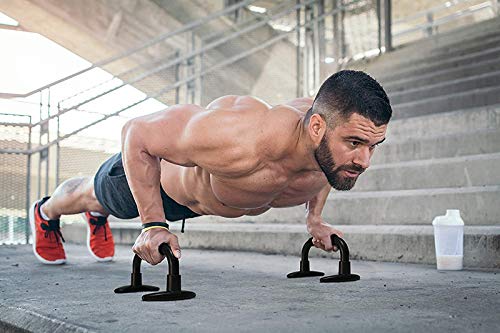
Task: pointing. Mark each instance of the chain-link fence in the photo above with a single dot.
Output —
(14, 178)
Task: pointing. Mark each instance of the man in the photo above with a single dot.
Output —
(238, 156)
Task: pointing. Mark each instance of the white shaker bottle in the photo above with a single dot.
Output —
(449, 240)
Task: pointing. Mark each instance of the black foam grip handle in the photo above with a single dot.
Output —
(342, 245)
(305, 249)
(173, 262)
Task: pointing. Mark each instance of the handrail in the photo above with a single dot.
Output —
(432, 10)
(179, 60)
(449, 18)
(117, 76)
(184, 28)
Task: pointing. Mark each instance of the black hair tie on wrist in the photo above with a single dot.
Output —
(155, 224)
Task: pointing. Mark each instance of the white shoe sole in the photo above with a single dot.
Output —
(33, 233)
(88, 243)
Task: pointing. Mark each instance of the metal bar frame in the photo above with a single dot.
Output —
(184, 28)
(207, 47)
(388, 25)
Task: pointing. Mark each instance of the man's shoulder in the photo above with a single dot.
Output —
(237, 101)
(300, 103)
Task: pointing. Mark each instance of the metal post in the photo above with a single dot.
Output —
(28, 187)
(430, 26)
(343, 48)
(495, 6)
(190, 70)
(388, 25)
(200, 77)
(47, 160)
(379, 25)
(193, 65)
(299, 52)
(39, 194)
(320, 42)
(58, 146)
(307, 50)
(177, 77)
(336, 37)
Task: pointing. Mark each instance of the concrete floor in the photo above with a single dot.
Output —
(239, 291)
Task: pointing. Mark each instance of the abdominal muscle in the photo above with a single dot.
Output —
(193, 187)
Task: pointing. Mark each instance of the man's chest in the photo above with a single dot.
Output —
(268, 188)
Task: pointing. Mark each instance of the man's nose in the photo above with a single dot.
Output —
(363, 158)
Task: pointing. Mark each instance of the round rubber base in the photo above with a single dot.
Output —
(165, 296)
(300, 274)
(132, 289)
(340, 278)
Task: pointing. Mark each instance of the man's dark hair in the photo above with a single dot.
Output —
(347, 92)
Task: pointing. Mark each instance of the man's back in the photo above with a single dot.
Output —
(245, 171)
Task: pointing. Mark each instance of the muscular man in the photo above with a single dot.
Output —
(238, 156)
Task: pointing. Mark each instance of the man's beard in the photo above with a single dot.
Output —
(327, 165)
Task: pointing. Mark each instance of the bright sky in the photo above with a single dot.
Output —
(29, 61)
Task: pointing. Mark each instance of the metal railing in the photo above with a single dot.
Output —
(440, 15)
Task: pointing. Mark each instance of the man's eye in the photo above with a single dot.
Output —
(354, 143)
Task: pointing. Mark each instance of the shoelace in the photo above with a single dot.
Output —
(99, 222)
(52, 226)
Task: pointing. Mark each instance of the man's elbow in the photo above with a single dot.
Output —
(130, 133)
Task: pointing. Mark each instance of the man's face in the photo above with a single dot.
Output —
(344, 152)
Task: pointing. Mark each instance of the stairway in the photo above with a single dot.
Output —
(442, 152)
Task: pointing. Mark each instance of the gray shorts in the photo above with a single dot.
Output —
(113, 193)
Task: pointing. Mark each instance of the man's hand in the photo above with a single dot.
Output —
(321, 232)
(147, 244)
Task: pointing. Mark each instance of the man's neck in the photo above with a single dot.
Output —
(302, 159)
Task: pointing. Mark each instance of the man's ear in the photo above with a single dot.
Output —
(317, 128)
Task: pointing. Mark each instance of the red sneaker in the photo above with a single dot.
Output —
(99, 237)
(47, 237)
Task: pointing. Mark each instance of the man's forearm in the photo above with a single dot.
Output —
(143, 175)
(315, 206)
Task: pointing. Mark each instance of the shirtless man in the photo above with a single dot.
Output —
(238, 156)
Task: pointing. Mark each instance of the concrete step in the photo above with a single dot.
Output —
(456, 101)
(444, 124)
(442, 76)
(408, 54)
(396, 243)
(463, 171)
(462, 144)
(479, 205)
(440, 54)
(465, 52)
(448, 63)
(441, 89)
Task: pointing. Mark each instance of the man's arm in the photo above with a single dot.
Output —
(315, 206)
(320, 230)
(182, 135)
(144, 141)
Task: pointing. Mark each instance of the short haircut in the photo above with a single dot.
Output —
(347, 92)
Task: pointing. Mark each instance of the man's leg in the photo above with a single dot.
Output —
(75, 195)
